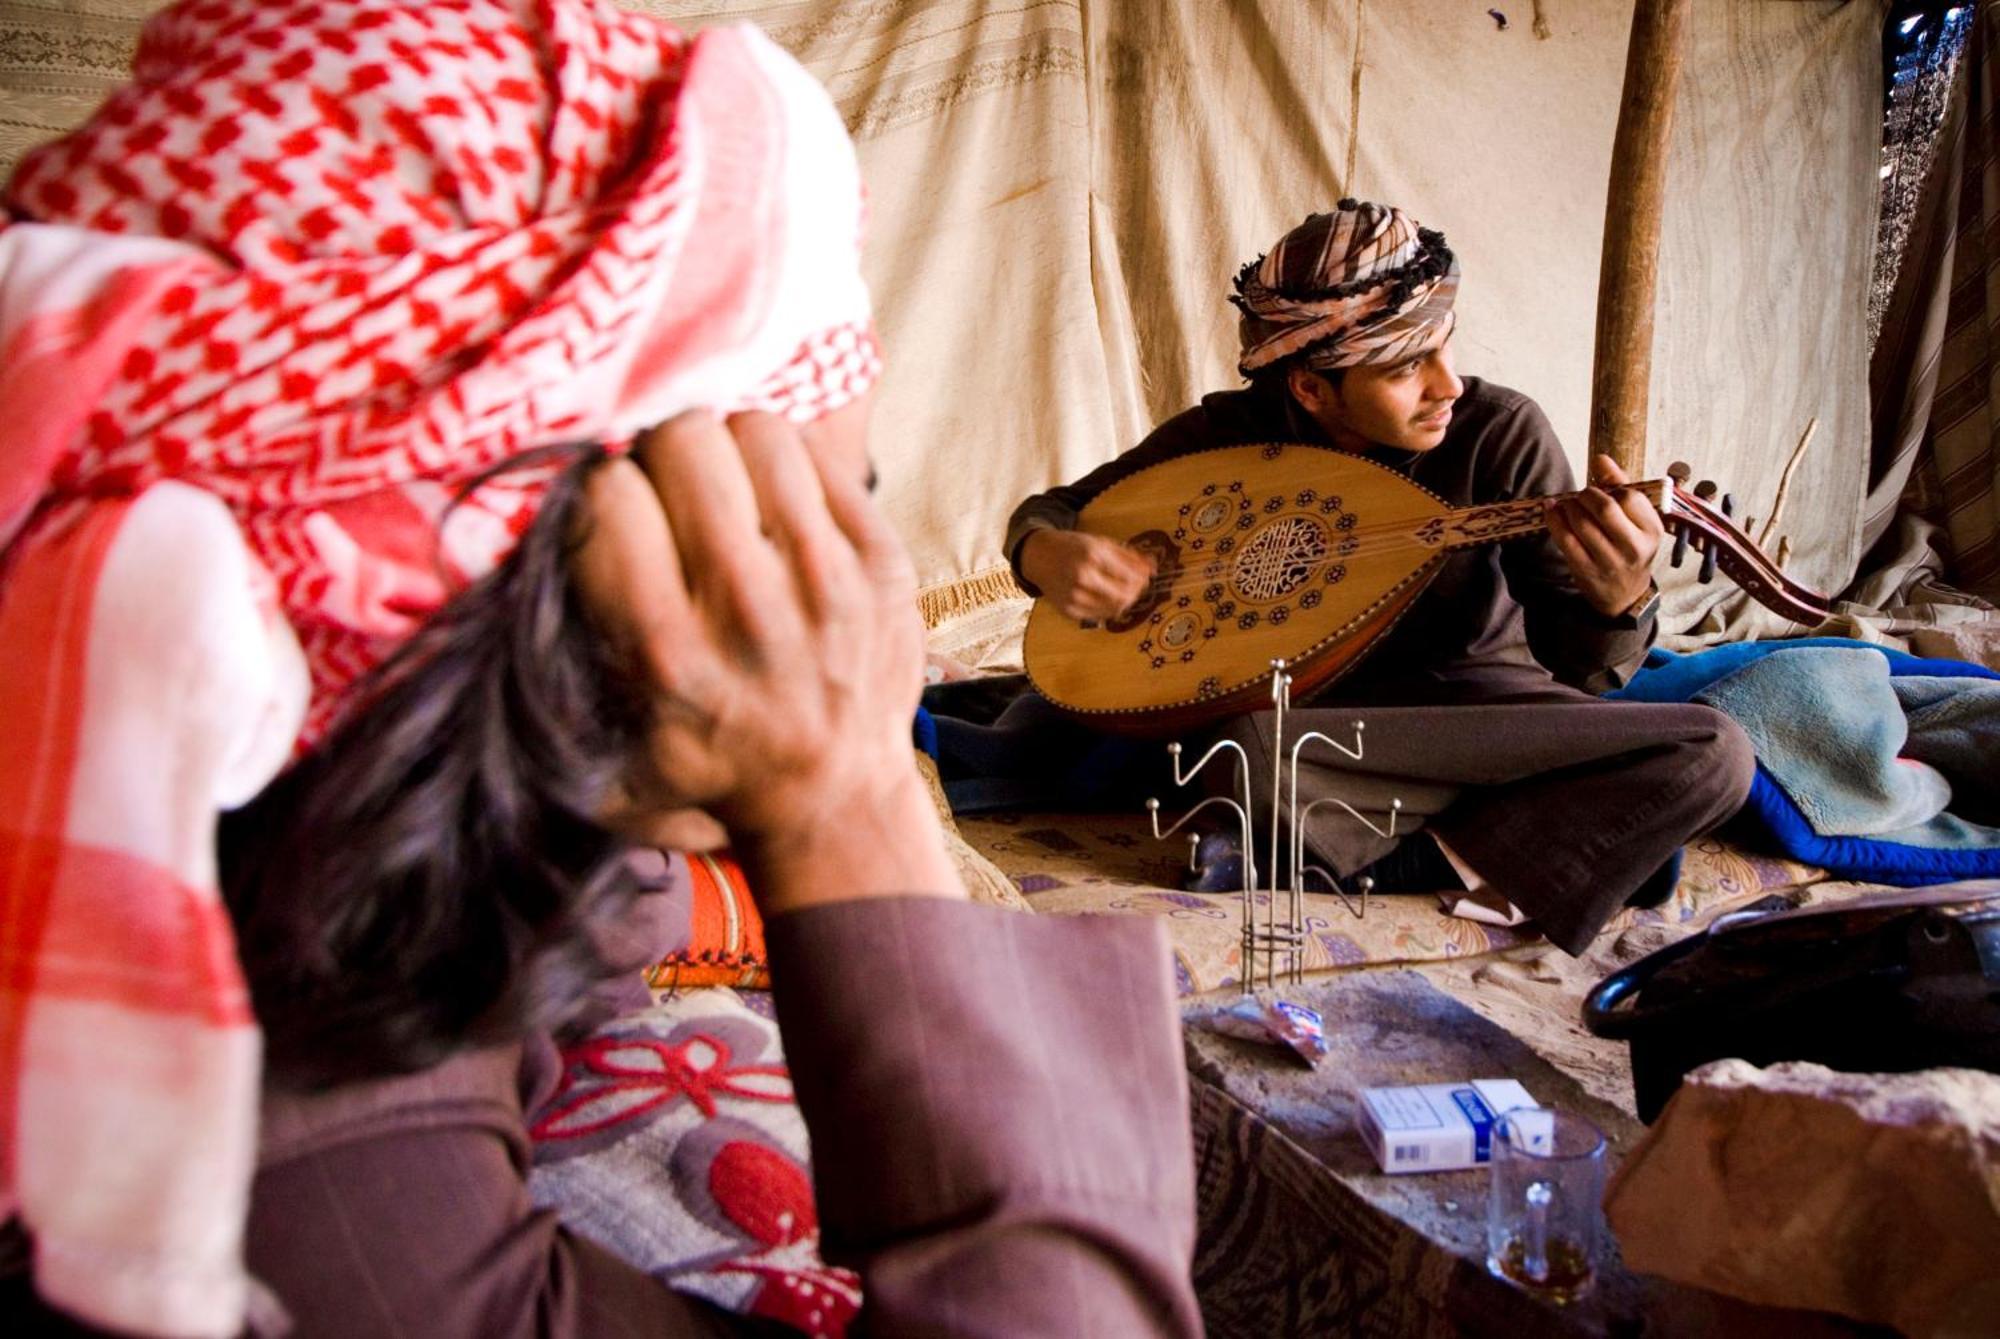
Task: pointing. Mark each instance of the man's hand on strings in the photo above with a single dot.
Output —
(1609, 535)
(1084, 576)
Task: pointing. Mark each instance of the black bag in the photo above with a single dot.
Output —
(1888, 984)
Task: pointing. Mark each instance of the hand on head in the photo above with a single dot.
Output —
(771, 614)
(1609, 536)
(1085, 576)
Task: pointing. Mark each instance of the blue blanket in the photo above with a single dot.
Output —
(1872, 763)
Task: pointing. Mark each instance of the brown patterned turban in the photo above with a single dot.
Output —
(1364, 285)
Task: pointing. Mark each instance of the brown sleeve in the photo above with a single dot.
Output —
(998, 1112)
(1578, 645)
(998, 1109)
(1058, 507)
(397, 1208)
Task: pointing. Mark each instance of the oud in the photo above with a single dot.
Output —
(1294, 552)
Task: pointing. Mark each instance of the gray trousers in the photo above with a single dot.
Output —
(1562, 801)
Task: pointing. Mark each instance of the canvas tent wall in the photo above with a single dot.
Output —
(1060, 190)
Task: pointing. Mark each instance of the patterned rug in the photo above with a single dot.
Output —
(1067, 864)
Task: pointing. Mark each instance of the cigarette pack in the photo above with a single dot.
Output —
(1441, 1127)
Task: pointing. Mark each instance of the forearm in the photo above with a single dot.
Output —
(997, 1105)
(1580, 645)
(1043, 511)
(883, 841)
(1057, 508)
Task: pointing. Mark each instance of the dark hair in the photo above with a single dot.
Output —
(427, 878)
(1276, 378)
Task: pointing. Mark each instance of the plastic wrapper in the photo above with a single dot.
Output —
(1276, 1023)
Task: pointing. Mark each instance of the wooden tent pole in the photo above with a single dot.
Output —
(1622, 373)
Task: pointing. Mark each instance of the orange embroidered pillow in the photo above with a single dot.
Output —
(725, 941)
(725, 934)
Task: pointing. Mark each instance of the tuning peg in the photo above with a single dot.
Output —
(1707, 573)
(1680, 472)
(1680, 546)
(1705, 490)
(1728, 504)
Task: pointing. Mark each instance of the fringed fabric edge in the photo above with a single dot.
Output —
(953, 599)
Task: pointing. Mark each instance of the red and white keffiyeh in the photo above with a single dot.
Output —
(318, 266)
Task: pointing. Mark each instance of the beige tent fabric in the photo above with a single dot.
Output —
(1929, 512)
(1767, 242)
(1060, 190)
(58, 58)
(1220, 126)
(1212, 128)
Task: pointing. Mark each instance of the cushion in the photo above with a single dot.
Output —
(725, 935)
(673, 1141)
(724, 945)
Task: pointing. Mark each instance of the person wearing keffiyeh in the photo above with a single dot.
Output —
(1536, 796)
(356, 614)
(1364, 286)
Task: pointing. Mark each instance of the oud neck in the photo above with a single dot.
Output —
(1494, 522)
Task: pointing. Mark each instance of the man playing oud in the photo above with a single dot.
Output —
(1479, 703)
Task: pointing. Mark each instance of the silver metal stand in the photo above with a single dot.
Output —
(1267, 940)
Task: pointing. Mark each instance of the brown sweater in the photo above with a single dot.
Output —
(1509, 604)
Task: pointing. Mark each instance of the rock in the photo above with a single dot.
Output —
(1876, 1196)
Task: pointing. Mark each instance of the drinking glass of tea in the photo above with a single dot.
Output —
(1542, 1219)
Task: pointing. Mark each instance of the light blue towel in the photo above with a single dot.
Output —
(1831, 727)
(1955, 727)
(1873, 742)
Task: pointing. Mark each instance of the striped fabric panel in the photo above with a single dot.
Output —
(1937, 414)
